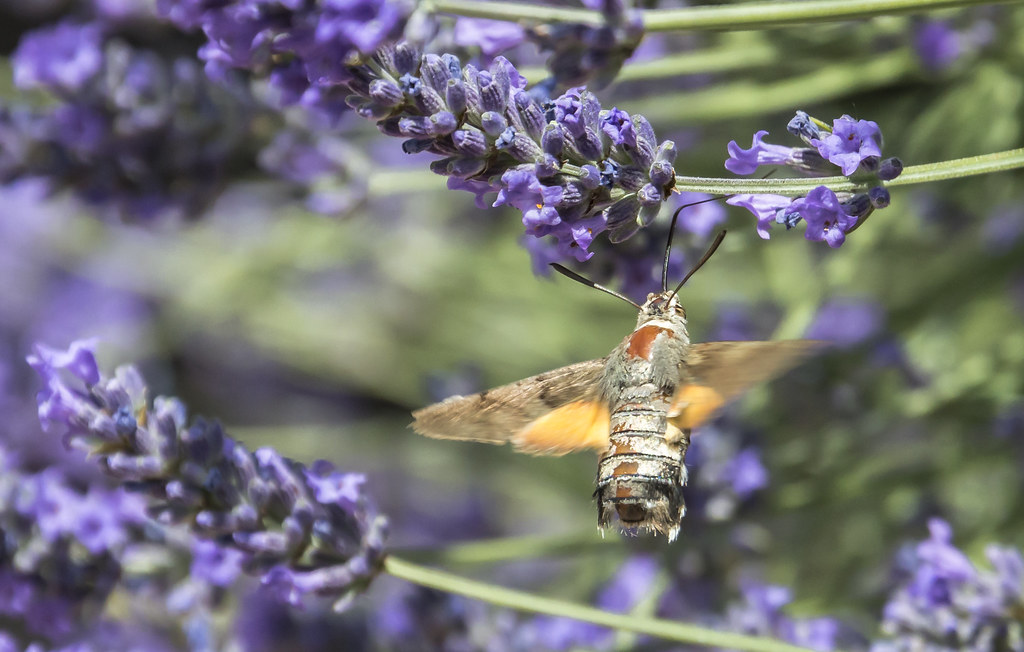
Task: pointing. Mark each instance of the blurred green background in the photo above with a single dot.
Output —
(318, 336)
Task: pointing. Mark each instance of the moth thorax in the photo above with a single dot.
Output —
(640, 478)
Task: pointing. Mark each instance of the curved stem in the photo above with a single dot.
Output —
(1012, 159)
(523, 601)
(725, 17)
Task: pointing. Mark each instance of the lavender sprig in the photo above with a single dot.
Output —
(307, 530)
(852, 146)
(573, 169)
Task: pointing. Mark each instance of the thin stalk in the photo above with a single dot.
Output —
(728, 101)
(720, 17)
(960, 168)
(697, 62)
(511, 548)
(523, 601)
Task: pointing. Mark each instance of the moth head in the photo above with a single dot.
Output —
(664, 306)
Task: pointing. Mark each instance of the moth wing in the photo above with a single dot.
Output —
(721, 371)
(551, 413)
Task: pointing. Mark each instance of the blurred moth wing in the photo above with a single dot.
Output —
(563, 410)
(720, 371)
(526, 412)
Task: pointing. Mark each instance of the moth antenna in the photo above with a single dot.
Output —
(704, 259)
(565, 271)
(672, 232)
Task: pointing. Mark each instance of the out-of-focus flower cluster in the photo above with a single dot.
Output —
(133, 131)
(945, 602)
(306, 530)
(851, 147)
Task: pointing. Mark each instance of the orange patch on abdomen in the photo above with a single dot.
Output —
(642, 341)
(626, 468)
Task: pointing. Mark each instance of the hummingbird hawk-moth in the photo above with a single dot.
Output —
(637, 406)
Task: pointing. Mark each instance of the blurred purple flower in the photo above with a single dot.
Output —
(937, 44)
(491, 36)
(304, 48)
(589, 54)
(63, 58)
(134, 131)
(62, 548)
(948, 600)
(701, 219)
(216, 564)
(314, 527)
(746, 473)
(847, 322)
(761, 614)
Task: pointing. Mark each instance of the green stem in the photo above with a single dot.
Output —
(779, 14)
(511, 548)
(522, 601)
(384, 182)
(1012, 159)
(728, 101)
(727, 58)
(724, 17)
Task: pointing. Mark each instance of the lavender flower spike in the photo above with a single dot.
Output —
(307, 530)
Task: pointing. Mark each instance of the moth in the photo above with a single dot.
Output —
(637, 406)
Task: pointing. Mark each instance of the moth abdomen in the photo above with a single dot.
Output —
(643, 501)
(641, 475)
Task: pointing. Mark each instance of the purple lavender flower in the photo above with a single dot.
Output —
(311, 531)
(768, 209)
(572, 169)
(826, 218)
(746, 161)
(949, 604)
(850, 143)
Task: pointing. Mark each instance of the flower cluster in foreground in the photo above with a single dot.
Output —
(850, 147)
(306, 530)
(62, 548)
